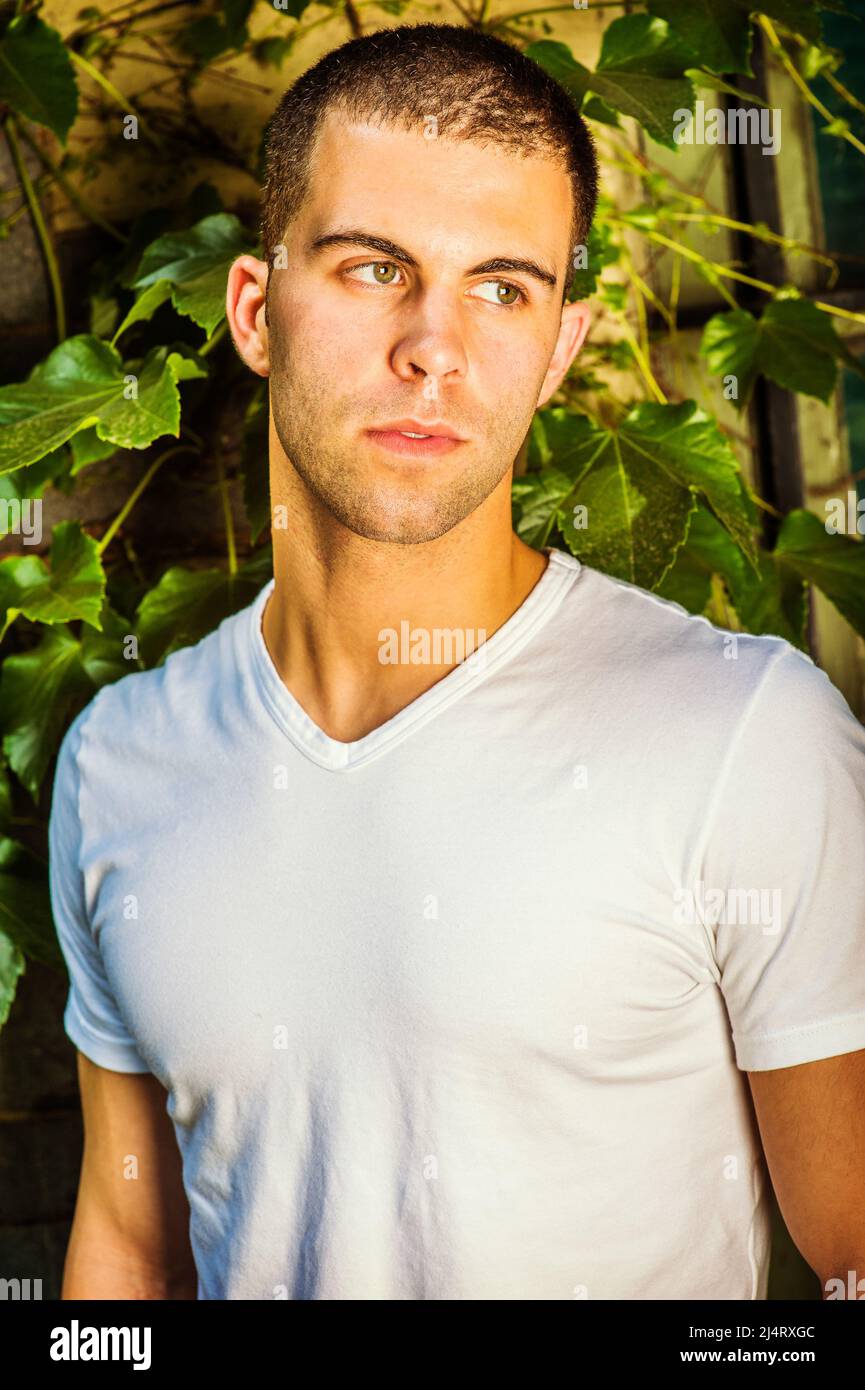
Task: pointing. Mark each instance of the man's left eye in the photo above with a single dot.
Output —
(502, 285)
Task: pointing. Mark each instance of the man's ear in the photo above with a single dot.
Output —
(244, 308)
(576, 320)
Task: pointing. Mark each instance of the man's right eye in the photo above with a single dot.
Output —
(375, 267)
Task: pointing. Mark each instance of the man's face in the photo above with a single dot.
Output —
(361, 338)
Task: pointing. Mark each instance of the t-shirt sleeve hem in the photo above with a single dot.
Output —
(105, 1052)
(810, 1044)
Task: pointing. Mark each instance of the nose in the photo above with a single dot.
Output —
(431, 342)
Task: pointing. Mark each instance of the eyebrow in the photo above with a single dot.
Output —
(355, 236)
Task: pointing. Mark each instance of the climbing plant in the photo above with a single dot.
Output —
(154, 370)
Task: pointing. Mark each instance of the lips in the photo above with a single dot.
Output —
(415, 438)
(428, 429)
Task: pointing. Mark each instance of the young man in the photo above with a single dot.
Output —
(425, 953)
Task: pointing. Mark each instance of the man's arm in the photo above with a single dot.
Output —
(812, 1123)
(129, 1236)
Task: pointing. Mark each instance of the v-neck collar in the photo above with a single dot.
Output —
(535, 610)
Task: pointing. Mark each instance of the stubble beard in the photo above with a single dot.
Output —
(402, 510)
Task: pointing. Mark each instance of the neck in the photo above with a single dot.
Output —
(338, 597)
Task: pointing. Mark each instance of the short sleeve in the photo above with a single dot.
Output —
(784, 854)
(92, 1020)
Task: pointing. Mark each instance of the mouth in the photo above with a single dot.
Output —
(414, 439)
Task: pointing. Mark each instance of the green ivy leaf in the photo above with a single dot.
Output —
(108, 654)
(84, 383)
(11, 968)
(272, 52)
(775, 601)
(36, 75)
(718, 32)
(206, 38)
(146, 305)
(712, 82)
(25, 905)
(30, 482)
(195, 262)
(187, 604)
(601, 250)
(39, 692)
(708, 550)
(636, 83)
(536, 499)
(651, 101)
(558, 60)
(615, 294)
(87, 448)
(156, 408)
(596, 110)
(834, 563)
(638, 483)
(74, 586)
(770, 600)
(103, 314)
(686, 582)
(42, 689)
(793, 344)
(646, 44)
(237, 13)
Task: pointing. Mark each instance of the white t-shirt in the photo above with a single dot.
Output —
(462, 1009)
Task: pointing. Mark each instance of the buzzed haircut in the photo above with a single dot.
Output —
(475, 86)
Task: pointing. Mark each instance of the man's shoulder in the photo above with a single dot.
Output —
(156, 707)
(687, 659)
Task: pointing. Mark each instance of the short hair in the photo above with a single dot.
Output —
(476, 86)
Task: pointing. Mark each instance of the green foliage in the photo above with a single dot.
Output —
(791, 343)
(85, 382)
(11, 966)
(185, 605)
(637, 482)
(25, 913)
(669, 507)
(36, 75)
(601, 250)
(212, 35)
(189, 267)
(640, 73)
(74, 586)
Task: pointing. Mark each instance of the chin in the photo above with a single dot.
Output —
(410, 534)
(390, 527)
